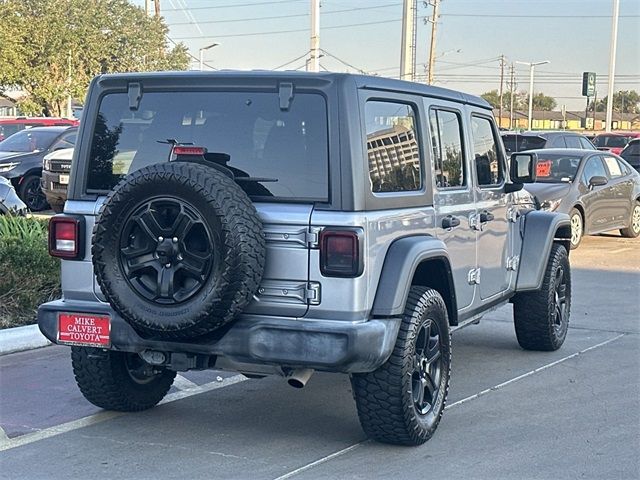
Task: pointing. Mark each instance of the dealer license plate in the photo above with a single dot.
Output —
(64, 180)
(84, 329)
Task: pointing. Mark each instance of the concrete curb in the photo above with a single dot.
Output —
(18, 339)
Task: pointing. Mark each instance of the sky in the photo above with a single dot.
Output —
(574, 35)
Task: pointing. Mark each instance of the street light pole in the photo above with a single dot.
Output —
(202, 53)
(612, 64)
(532, 66)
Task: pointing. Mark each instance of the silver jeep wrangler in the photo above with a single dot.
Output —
(281, 223)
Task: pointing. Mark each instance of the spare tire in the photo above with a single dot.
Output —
(178, 250)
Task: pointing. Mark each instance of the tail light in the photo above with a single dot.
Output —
(340, 253)
(186, 150)
(66, 234)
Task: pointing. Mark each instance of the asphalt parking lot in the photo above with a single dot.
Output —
(511, 414)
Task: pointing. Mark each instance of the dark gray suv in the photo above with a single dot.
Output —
(278, 223)
(518, 142)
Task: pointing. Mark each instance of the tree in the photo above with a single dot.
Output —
(520, 100)
(53, 48)
(624, 101)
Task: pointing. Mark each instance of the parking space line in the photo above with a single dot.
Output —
(99, 417)
(459, 402)
(531, 372)
(321, 460)
(3, 436)
(182, 383)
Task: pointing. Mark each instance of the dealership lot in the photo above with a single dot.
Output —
(573, 413)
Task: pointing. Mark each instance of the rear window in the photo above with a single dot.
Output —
(286, 149)
(519, 143)
(611, 141)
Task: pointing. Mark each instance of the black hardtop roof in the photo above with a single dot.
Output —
(362, 81)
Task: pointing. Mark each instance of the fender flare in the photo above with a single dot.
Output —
(541, 229)
(403, 258)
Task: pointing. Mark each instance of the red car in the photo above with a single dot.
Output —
(613, 142)
(9, 126)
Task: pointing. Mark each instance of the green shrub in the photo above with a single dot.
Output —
(28, 275)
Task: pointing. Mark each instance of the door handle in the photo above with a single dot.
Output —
(450, 222)
(486, 217)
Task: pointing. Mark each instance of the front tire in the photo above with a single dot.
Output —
(541, 317)
(402, 401)
(32, 195)
(119, 381)
(577, 228)
(634, 224)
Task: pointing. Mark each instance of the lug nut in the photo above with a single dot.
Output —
(168, 265)
(160, 239)
(175, 239)
(179, 257)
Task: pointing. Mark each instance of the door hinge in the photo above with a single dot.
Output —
(312, 237)
(312, 293)
(513, 214)
(513, 262)
(474, 276)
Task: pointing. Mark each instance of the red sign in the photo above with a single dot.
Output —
(544, 168)
(84, 329)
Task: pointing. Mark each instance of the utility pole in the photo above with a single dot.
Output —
(501, 84)
(157, 7)
(532, 66)
(407, 49)
(147, 7)
(432, 47)
(512, 89)
(612, 63)
(313, 64)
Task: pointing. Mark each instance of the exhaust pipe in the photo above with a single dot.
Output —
(299, 377)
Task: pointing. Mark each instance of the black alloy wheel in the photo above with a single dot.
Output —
(32, 195)
(561, 306)
(166, 250)
(427, 368)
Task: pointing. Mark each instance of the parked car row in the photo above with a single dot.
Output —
(9, 126)
(22, 156)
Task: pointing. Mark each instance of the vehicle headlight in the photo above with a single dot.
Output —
(5, 167)
(46, 164)
(550, 205)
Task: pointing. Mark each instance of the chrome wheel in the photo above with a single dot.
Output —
(635, 220)
(576, 229)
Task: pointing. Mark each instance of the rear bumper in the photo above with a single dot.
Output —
(327, 345)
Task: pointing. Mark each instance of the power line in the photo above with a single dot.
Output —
(233, 5)
(274, 17)
(192, 56)
(343, 62)
(291, 61)
(277, 32)
(531, 16)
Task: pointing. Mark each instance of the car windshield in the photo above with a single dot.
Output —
(29, 141)
(9, 129)
(612, 141)
(519, 143)
(250, 133)
(558, 168)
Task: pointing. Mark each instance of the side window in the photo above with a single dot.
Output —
(392, 147)
(572, 141)
(615, 170)
(448, 156)
(557, 142)
(585, 143)
(489, 165)
(593, 168)
(66, 141)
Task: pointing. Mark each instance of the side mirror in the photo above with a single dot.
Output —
(522, 168)
(598, 181)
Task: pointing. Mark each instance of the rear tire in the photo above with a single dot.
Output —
(402, 401)
(634, 224)
(119, 381)
(541, 317)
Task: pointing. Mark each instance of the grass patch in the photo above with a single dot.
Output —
(28, 275)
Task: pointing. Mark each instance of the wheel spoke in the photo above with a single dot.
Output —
(139, 264)
(194, 265)
(419, 395)
(165, 283)
(131, 253)
(182, 225)
(430, 386)
(433, 351)
(150, 225)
